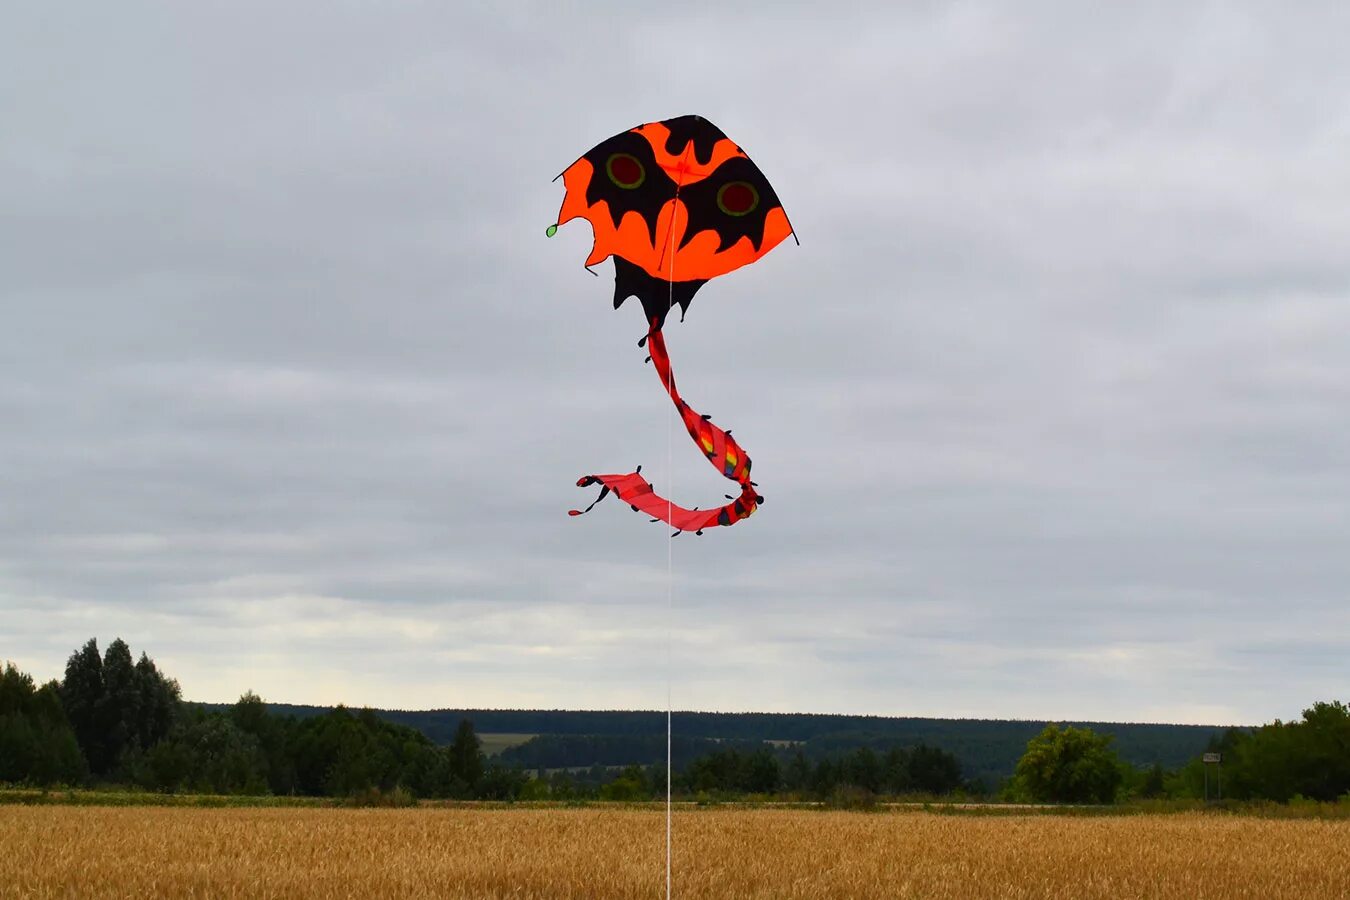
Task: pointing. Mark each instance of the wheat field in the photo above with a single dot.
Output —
(148, 852)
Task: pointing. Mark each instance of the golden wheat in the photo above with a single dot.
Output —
(593, 853)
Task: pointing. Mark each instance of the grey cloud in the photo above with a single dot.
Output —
(1047, 406)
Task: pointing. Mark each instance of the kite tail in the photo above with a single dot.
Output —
(717, 445)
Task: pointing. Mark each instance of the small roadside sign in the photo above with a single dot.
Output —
(1212, 757)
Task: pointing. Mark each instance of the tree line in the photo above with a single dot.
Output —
(109, 721)
(112, 720)
(987, 748)
(1282, 761)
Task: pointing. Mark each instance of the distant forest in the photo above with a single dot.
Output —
(114, 720)
(987, 749)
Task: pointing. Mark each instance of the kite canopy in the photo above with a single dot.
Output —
(675, 203)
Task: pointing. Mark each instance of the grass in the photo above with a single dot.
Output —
(121, 796)
(114, 797)
(617, 852)
(495, 742)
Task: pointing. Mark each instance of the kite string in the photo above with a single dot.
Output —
(670, 542)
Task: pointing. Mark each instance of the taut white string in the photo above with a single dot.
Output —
(670, 540)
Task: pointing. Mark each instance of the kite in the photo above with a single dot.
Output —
(675, 203)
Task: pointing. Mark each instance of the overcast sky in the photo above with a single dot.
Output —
(1049, 408)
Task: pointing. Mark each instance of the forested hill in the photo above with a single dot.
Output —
(987, 748)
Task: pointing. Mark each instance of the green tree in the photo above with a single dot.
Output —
(223, 759)
(501, 783)
(1153, 783)
(797, 773)
(535, 789)
(157, 707)
(83, 697)
(895, 775)
(761, 773)
(1069, 765)
(121, 709)
(933, 770)
(1325, 770)
(862, 768)
(364, 759)
(115, 706)
(466, 755)
(1310, 757)
(250, 715)
(166, 767)
(629, 786)
(756, 772)
(37, 745)
(825, 777)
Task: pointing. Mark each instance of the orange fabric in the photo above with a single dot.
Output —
(697, 260)
(681, 167)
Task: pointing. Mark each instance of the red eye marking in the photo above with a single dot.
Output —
(625, 170)
(737, 198)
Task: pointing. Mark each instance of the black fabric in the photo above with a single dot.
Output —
(697, 130)
(700, 201)
(646, 199)
(656, 294)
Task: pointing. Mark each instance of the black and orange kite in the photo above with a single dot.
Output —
(676, 203)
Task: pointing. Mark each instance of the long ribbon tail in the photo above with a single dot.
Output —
(722, 451)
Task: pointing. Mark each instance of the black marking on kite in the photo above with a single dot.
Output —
(696, 130)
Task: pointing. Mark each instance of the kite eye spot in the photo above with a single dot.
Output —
(625, 170)
(737, 198)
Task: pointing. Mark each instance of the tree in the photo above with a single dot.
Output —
(797, 774)
(761, 773)
(862, 768)
(895, 768)
(83, 697)
(934, 770)
(116, 707)
(1283, 759)
(250, 715)
(756, 772)
(121, 709)
(824, 777)
(206, 752)
(629, 786)
(501, 783)
(158, 704)
(466, 755)
(1153, 783)
(1325, 770)
(1069, 765)
(37, 745)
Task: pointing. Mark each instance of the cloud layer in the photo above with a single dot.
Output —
(1048, 408)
